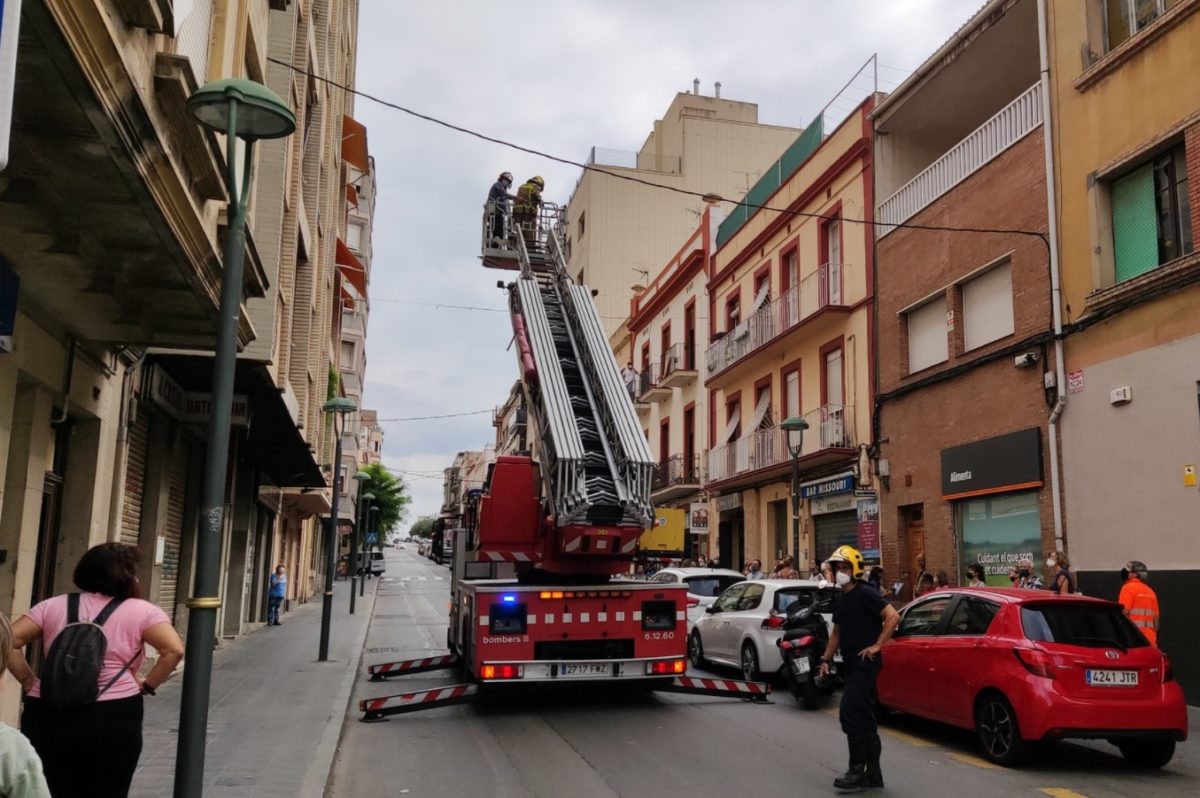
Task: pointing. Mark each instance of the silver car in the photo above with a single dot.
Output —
(741, 627)
(703, 584)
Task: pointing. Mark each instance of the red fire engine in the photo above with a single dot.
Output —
(533, 592)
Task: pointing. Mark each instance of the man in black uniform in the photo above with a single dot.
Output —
(862, 624)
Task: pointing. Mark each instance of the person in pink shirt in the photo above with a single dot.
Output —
(93, 750)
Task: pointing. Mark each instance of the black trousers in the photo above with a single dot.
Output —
(90, 752)
(858, 697)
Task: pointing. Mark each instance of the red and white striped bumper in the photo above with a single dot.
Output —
(375, 708)
(386, 670)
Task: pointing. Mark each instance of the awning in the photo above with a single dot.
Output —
(352, 196)
(307, 501)
(351, 268)
(347, 298)
(760, 412)
(761, 298)
(274, 444)
(731, 425)
(354, 144)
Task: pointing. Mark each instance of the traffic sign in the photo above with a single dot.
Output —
(372, 538)
(10, 20)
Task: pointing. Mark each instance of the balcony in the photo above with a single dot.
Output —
(818, 291)
(830, 437)
(675, 477)
(1012, 123)
(650, 387)
(679, 366)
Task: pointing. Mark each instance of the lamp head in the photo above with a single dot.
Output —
(261, 114)
(341, 405)
(794, 427)
(361, 476)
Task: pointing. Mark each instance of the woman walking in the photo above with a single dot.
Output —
(276, 594)
(89, 736)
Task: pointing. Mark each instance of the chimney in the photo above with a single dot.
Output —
(695, 85)
(718, 89)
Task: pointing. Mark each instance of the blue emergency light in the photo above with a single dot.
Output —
(509, 598)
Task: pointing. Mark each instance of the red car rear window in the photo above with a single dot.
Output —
(1080, 624)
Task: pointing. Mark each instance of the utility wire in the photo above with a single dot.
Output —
(445, 415)
(632, 179)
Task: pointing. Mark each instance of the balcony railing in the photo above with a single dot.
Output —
(676, 470)
(993, 137)
(678, 365)
(830, 427)
(821, 289)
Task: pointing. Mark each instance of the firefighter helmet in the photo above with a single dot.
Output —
(851, 555)
(537, 181)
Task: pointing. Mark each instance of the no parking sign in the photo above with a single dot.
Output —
(10, 20)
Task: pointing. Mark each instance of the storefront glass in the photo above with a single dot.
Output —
(998, 532)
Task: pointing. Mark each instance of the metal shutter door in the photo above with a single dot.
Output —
(135, 479)
(177, 494)
(836, 529)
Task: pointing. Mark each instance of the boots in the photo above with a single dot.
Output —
(874, 776)
(855, 778)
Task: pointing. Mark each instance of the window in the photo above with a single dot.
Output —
(971, 617)
(791, 269)
(987, 307)
(729, 598)
(708, 586)
(923, 620)
(347, 363)
(1080, 624)
(791, 394)
(582, 224)
(354, 236)
(785, 598)
(733, 311)
(1124, 18)
(834, 378)
(664, 578)
(1151, 216)
(928, 344)
(751, 598)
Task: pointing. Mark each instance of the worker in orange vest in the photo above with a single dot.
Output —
(1139, 601)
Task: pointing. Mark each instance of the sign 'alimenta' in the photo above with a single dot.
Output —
(995, 465)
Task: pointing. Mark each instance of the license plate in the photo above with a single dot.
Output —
(585, 669)
(801, 666)
(1111, 678)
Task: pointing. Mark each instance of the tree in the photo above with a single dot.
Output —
(422, 528)
(391, 497)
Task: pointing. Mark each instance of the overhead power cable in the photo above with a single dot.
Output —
(444, 415)
(633, 179)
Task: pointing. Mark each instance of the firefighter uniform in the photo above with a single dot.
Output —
(1141, 603)
(529, 201)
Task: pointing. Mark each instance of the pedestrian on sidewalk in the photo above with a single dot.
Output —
(20, 768)
(862, 624)
(89, 735)
(1139, 601)
(276, 594)
(1064, 580)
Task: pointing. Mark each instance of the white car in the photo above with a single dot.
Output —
(741, 627)
(703, 584)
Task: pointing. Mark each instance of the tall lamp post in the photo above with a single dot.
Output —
(245, 110)
(359, 532)
(334, 407)
(794, 427)
(371, 511)
(360, 477)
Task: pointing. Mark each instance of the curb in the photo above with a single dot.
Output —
(316, 777)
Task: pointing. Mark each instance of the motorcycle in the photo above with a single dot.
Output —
(805, 637)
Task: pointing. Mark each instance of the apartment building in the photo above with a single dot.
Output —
(511, 420)
(668, 332)
(1129, 212)
(790, 324)
(620, 232)
(965, 357)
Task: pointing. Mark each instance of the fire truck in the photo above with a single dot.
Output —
(533, 596)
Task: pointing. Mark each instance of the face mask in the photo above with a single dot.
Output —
(1050, 563)
(1124, 574)
(842, 578)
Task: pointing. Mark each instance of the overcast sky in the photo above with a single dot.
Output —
(559, 77)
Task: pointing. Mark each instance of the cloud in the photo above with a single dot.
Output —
(560, 77)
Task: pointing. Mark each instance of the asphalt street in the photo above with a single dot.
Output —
(592, 743)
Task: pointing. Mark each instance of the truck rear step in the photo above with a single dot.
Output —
(386, 670)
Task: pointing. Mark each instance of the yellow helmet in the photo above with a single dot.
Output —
(537, 181)
(851, 555)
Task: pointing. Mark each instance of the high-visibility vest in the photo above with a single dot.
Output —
(529, 199)
(1142, 605)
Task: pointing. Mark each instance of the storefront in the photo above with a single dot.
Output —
(731, 530)
(842, 515)
(994, 487)
(697, 529)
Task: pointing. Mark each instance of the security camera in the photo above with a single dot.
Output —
(1026, 360)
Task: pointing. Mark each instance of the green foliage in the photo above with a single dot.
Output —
(422, 528)
(391, 497)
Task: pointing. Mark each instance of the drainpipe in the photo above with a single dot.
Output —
(66, 390)
(1060, 371)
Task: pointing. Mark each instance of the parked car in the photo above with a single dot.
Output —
(741, 627)
(371, 563)
(1018, 666)
(703, 584)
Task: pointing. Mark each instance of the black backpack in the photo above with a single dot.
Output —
(71, 672)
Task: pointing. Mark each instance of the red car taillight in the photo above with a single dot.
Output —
(693, 601)
(772, 622)
(1168, 671)
(1039, 663)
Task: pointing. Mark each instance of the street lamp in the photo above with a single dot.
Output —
(334, 407)
(238, 109)
(794, 427)
(360, 477)
(359, 532)
(371, 511)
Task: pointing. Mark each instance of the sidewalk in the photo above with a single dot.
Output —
(275, 713)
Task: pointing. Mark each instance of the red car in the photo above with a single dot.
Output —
(1019, 666)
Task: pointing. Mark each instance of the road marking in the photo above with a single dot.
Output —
(1061, 792)
(970, 759)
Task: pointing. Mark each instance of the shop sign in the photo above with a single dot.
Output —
(197, 407)
(698, 518)
(1005, 463)
(868, 527)
(730, 501)
(832, 504)
(165, 393)
(190, 408)
(842, 483)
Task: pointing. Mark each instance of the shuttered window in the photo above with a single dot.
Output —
(173, 531)
(135, 479)
(987, 307)
(1135, 230)
(928, 344)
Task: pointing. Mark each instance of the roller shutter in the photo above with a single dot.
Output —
(835, 529)
(135, 479)
(173, 530)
